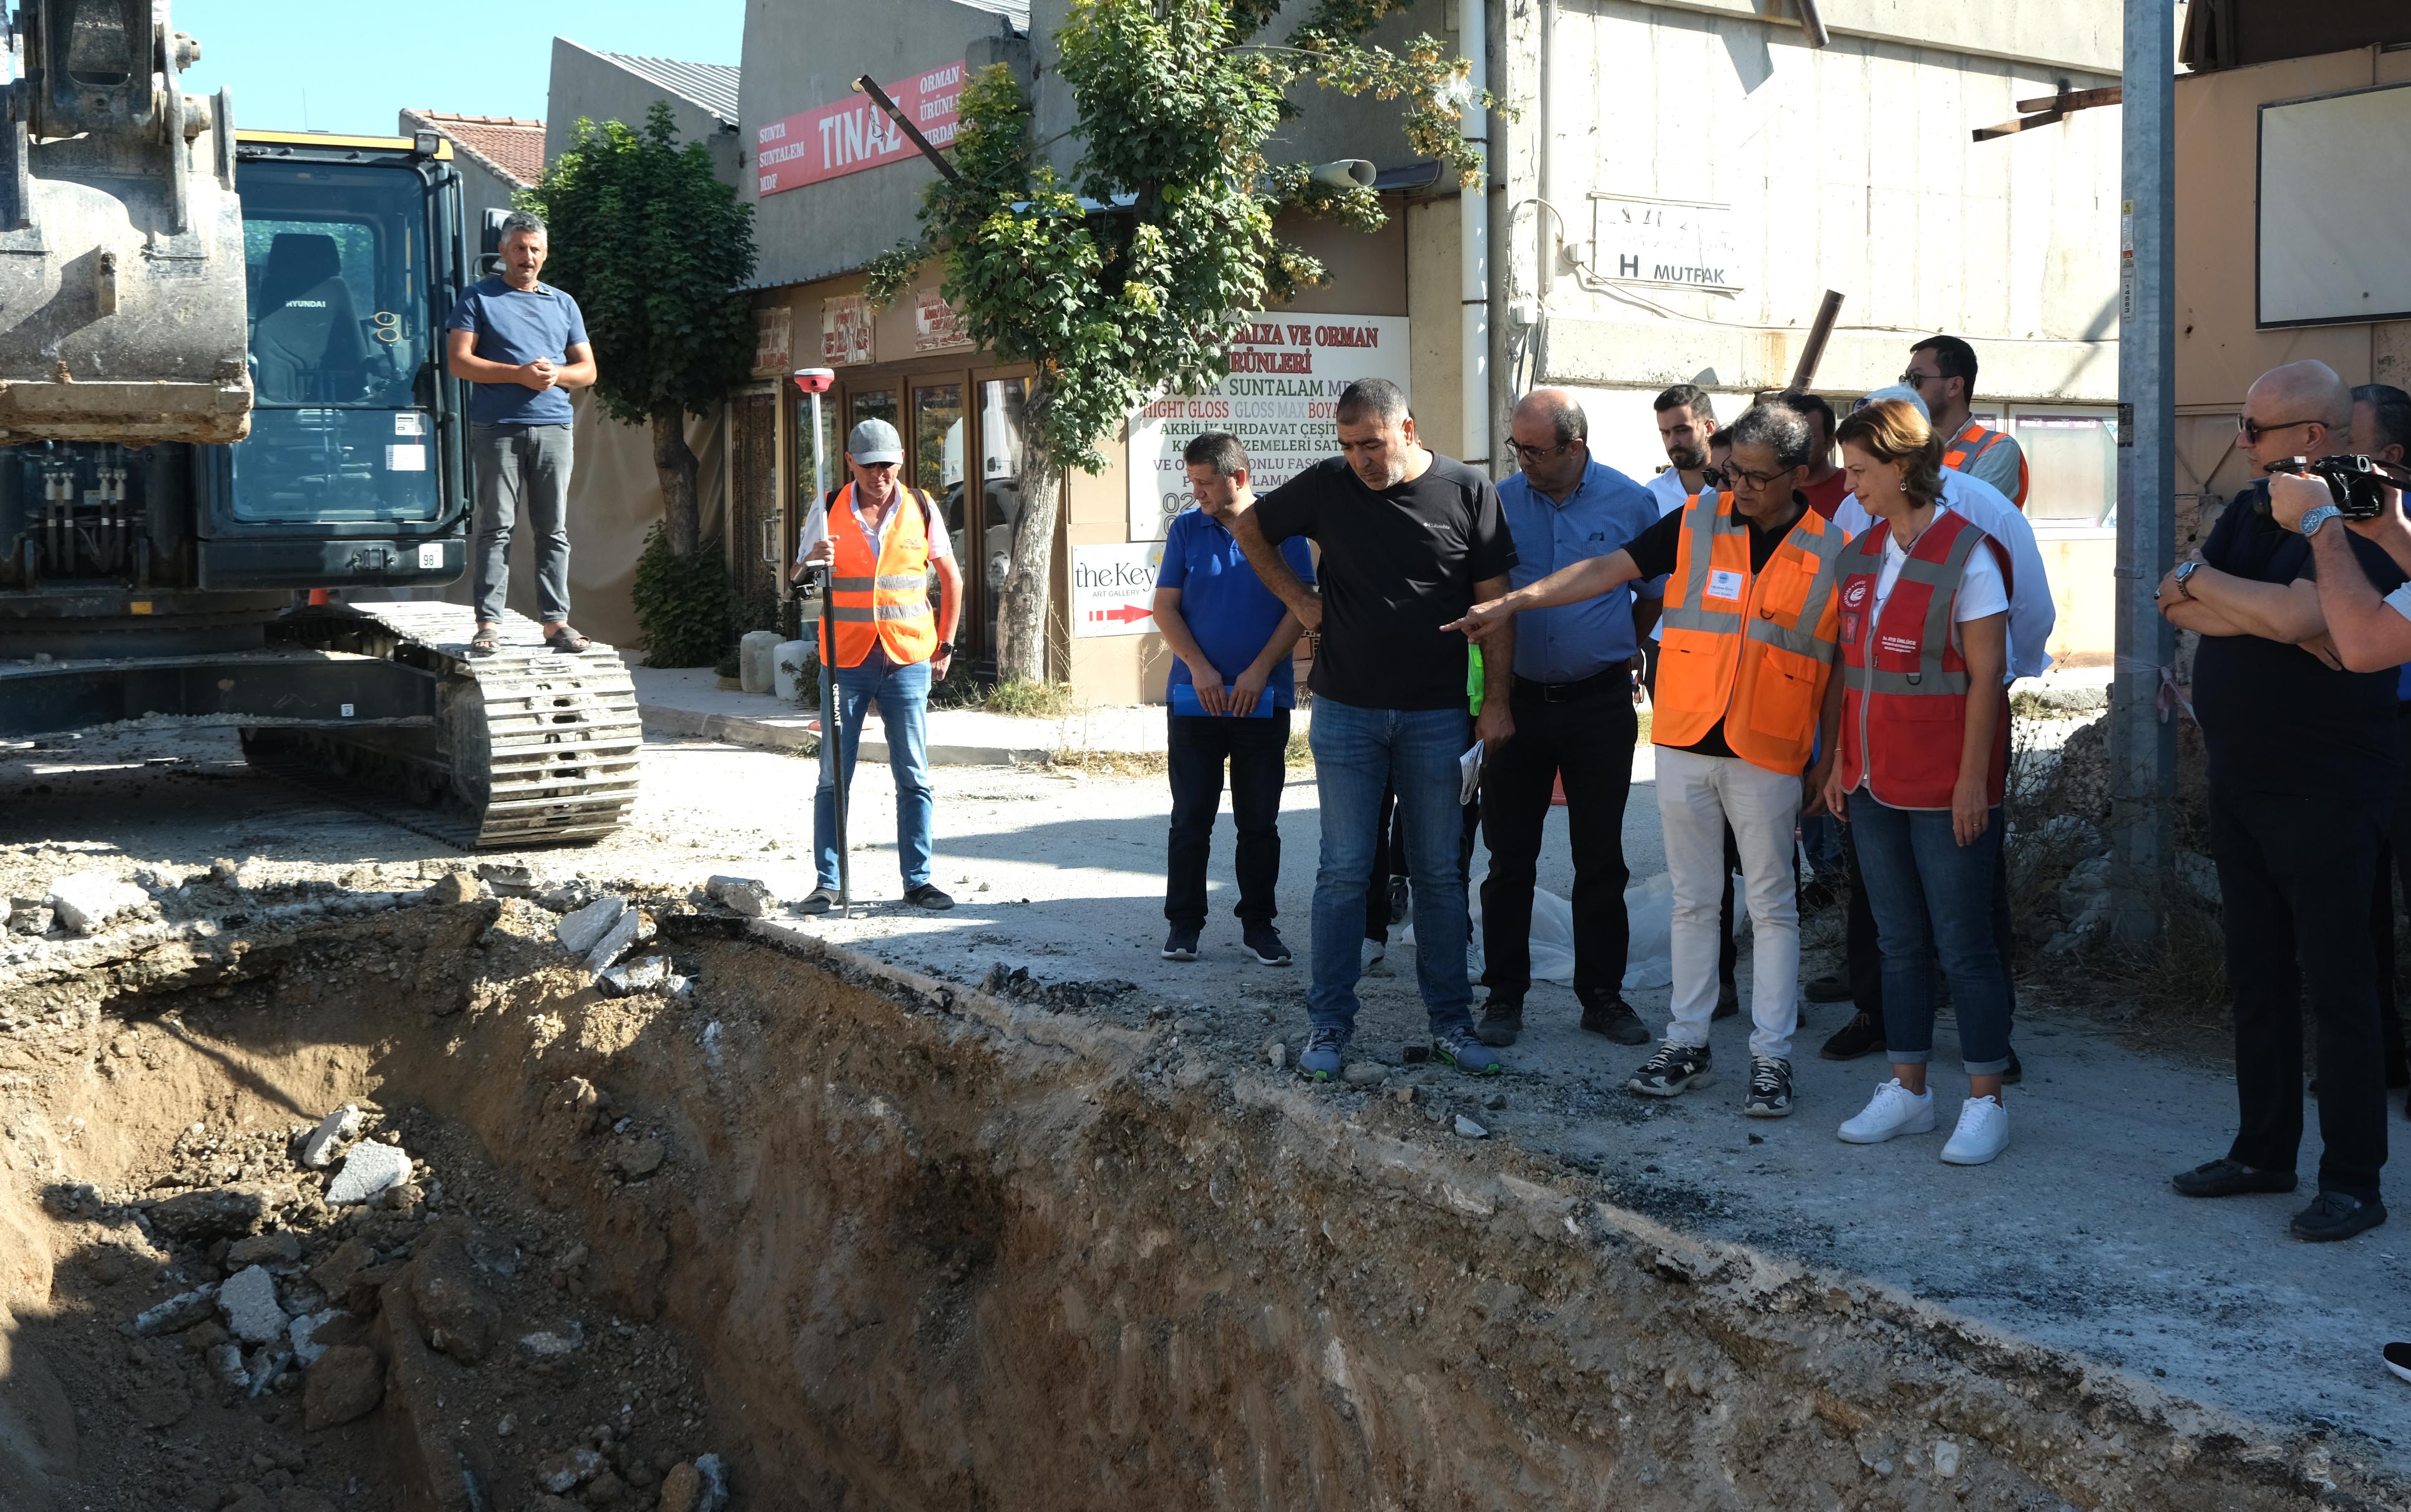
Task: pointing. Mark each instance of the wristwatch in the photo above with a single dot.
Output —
(2185, 570)
(945, 649)
(2314, 518)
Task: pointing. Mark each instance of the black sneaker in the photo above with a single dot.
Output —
(1609, 1014)
(1672, 1071)
(1817, 896)
(927, 896)
(1728, 1000)
(1828, 988)
(1181, 944)
(819, 900)
(1266, 941)
(2230, 1178)
(2334, 1215)
(1503, 1020)
(1400, 900)
(1770, 1088)
(2398, 1359)
(2016, 1073)
(1863, 1035)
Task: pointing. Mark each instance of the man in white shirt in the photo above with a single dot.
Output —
(1687, 421)
(2032, 615)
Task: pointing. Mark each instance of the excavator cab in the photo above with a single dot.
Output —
(121, 237)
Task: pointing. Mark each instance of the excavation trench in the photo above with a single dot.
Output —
(877, 1243)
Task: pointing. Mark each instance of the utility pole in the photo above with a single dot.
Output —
(2142, 743)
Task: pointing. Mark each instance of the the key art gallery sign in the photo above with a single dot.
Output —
(1287, 372)
(832, 141)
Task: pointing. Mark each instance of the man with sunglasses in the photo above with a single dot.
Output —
(1574, 717)
(2303, 767)
(1942, 375)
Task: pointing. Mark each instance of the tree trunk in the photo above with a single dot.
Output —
(1021, 607)
(674, 460)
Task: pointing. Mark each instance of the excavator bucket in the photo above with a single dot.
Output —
(122, 283)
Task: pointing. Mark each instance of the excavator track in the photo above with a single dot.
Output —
(531, 746)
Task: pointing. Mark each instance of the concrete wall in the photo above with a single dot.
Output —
(1849, 169)
(799, 58)
(588, 85)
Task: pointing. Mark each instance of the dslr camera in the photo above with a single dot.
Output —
(2356, 483)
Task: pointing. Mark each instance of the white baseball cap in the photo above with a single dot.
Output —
(871, 442)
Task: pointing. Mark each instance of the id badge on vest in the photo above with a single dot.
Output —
(1724, 583)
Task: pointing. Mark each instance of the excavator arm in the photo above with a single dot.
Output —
(122, 304)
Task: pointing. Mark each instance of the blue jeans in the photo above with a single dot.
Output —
(903, 695)
(1358, 752)
(1932, 896)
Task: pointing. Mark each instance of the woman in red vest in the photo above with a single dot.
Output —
(1924, 755)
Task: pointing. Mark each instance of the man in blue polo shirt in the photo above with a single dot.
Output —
(522, 343)
(1230, 691)
(1571, 699)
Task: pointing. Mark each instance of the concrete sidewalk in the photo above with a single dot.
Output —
(689, 701)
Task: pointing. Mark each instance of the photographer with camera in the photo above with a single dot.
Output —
(2303, 767)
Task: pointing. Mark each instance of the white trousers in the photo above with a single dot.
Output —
(1697, 797)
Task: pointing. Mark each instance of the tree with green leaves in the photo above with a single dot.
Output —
(655, 249)
(1140, 290)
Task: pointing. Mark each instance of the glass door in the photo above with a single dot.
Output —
(1000, 502)
(936, 454)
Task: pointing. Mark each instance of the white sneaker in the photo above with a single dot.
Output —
(1894, 1109)
(1374, 951)
(1983, 1132)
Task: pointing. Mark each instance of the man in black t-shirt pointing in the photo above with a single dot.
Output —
(1409, 542)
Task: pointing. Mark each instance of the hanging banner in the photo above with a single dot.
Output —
(853, 133)
(774, 344)
(1112, 588)
(936, 326)
(1286, 374)
(845, 331)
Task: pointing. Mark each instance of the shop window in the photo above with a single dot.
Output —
(2071, 465)
(999, 444)
(938, 450)
(874, 404)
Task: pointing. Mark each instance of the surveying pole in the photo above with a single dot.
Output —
(814, 382)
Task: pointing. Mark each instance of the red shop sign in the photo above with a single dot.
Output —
(854, 134)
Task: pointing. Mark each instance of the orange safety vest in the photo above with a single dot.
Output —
(1904, 685)
(1753, 648)
(879, 589)
(1974, 442)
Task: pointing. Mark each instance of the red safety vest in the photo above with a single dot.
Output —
(1904, 684)
(1974, 442)
(879, 589)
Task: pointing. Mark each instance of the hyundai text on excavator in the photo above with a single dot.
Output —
(221, 388)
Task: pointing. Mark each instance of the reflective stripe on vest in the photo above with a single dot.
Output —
(1907, 755)
(879, 586)
(1760, 667)
(1958, 457)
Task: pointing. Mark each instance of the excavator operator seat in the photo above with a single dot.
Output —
(306, 341)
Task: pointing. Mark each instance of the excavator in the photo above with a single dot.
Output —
(227, 438)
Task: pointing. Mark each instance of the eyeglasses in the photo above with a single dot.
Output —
(2251, 431)
(1533, 454)
(1756, 480)
(1914, 379)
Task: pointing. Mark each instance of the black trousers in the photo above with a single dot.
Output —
(2295, 875)
(2395, 859)
(1863, 960)
(1197, 749)
(1589, 740)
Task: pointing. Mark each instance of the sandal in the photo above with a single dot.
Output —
(562, 638)
(487, 640)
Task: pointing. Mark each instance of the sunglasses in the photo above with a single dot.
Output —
(2251, 431)
(1913, 379)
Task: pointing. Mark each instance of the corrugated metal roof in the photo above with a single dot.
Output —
(709, 85)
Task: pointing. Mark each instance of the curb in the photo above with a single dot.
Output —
(796, 735)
